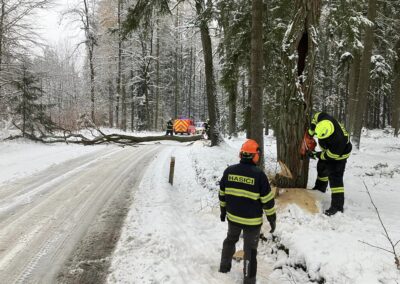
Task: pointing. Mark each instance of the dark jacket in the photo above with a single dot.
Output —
(245, 193)
(170, 125)
(337, 146)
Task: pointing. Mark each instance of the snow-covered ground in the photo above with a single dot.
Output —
(22, 158)
(173, 233)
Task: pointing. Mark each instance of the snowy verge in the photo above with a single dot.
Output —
(173, 233)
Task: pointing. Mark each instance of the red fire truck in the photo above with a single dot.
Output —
(184, 126)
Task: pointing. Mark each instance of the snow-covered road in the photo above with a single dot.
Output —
(44, 217)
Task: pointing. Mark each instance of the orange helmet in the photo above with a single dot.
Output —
(250, 150)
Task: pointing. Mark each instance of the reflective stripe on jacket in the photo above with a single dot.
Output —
(337, 146)
(246, 194)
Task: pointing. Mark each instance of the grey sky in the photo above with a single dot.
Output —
(53, 30)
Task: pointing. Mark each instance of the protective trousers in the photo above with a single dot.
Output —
(251, 236)
(333, 172)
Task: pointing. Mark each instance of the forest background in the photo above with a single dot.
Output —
(251, 66)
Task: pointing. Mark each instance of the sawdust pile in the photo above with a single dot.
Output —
(299, 196)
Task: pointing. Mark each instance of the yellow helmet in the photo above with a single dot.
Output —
(324, 129)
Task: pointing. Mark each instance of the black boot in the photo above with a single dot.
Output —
(336, 204)
(320, 186)
(224, 269)
(323, 190)
(332, 211)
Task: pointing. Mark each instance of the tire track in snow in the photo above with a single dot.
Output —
(55, 221)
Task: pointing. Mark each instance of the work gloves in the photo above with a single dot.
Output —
(272, 222)
(223, 214)
(313, 154)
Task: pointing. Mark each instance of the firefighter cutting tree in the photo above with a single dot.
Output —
(335, 144)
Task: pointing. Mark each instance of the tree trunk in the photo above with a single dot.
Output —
(132, 91)
(354, 77)
(396, 90)
(123, 105)
(247, 119)
(110, 105)
(3, 6)
(157, 76)
(190, 84)
(256, 77)
(363, 83)
(119, 64)
(232, 104)
(90, 42)
(209, 72)
(176, 78)
(296, 100)
(24, 110)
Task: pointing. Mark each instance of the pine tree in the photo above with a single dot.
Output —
(30, 111)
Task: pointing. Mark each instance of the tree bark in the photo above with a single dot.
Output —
(396, 90)
(157, 75)
(209, 72)
(132, 91)
(123, 104)
(232, 104)
(176, 78)
(190, 84)
(256, 77)
(3, 6)
(119, 64)
(296, 101)
(90, 43)
(354, 77)
(247, 119)
(363, 83)
(110, 105)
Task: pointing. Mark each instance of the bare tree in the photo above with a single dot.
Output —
(84, 14)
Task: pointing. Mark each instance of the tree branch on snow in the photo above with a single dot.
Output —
(386, 234)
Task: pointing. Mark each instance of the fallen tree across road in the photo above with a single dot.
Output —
(105, 138)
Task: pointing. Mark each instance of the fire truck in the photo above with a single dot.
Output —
(184, 125)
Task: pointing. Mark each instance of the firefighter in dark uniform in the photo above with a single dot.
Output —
(335, 144)
(170, 128)
(244, 195)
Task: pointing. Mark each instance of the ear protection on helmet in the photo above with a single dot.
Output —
(256, 156)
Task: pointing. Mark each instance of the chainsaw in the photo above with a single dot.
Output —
(307, 145)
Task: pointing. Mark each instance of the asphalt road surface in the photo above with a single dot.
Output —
(61, 225)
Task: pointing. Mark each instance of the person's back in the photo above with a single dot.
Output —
(244, 183)
(244, 195)
(337, 142)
